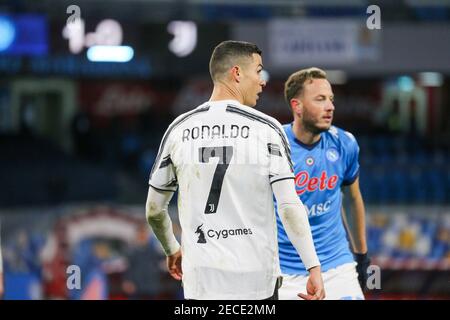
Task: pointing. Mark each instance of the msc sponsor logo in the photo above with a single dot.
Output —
(221, 234)
(318, 209)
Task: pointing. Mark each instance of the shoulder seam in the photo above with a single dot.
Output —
(171, 128)
(252, 116)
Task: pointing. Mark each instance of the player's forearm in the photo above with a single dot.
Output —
(1, 285)
(357, 227)
(359, 233)
(162, 227)
(347, 228)
(296, 224)
(294, 217)
(156, 212)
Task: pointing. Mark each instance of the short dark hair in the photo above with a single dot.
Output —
(294, 85)
(225, 54)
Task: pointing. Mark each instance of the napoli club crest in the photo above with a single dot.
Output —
(332, 154)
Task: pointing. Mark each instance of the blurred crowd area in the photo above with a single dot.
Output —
(108, 154)
(119, 257)
(110, 249)
(79, 133)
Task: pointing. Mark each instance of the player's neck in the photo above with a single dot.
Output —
(303, 135)
(222, 91)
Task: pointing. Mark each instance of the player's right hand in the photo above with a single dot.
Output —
(174, 265)
(314, 286)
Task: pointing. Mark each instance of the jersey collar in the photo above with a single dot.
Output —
(303, 145)
(228, 101)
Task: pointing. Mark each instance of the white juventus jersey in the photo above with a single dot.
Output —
(224, 156)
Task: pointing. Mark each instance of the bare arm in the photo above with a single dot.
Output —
(357, 230)
(347, 228)
(1, 285)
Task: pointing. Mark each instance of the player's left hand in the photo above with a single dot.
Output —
(314, 286)
(363, 262)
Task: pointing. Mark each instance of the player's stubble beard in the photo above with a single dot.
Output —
(310, 124)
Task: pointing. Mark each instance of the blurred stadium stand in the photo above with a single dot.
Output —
(78, 138)
(35, 172)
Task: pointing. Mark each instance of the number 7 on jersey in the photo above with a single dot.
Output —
(224, 154)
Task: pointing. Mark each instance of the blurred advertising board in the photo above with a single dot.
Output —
(324, 42)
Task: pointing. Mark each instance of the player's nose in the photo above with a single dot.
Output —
(330, 106)
(263, 83)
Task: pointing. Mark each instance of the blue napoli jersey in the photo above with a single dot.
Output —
(320, 171)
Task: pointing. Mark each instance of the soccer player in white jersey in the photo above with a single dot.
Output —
(325, 159)
(227, 161)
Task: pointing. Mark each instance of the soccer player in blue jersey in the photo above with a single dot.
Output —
(325, 160)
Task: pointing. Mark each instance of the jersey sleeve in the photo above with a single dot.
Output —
(352, 162)
(163, 175)
(280, 163)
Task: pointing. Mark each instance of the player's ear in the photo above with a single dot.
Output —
(296, 105)
(236, 73)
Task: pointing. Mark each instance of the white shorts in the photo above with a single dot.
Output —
(340, 283)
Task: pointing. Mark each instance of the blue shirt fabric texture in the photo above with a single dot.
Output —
(321, 169)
